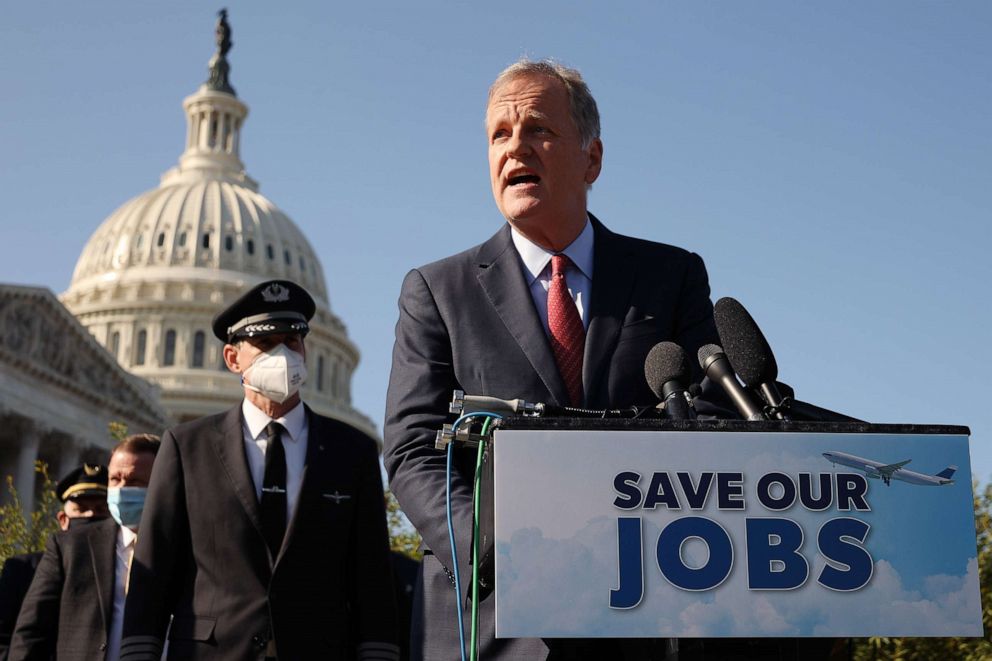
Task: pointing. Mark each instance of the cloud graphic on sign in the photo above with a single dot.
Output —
(947, 603)
(758, 617)
(566, 564)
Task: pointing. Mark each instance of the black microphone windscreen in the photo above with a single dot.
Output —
(743, 342)
(666, 362)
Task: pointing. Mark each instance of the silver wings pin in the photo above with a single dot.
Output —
(336, 497)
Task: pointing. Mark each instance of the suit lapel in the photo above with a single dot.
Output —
(502, 279)
(612, 285)
(229, 443)
(102, 541)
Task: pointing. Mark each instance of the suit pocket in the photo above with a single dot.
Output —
(641, 330)
(192, 628)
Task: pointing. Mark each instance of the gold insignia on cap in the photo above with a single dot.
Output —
(87, 488)
(90, 470)
(275, 293)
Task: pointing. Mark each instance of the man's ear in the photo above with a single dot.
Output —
(595, 161)
(231, 354)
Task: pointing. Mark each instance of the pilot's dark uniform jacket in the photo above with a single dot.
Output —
(57, 603)
(15, 579)
(204, 556)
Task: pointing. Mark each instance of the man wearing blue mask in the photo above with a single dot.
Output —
(75, 605)
(264, 535)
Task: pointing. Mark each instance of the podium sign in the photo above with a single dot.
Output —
(733, 534)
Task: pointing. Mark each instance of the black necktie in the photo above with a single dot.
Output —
(273, 505)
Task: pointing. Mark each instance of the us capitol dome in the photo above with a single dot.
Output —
(157, 270)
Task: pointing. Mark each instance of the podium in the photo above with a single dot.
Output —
(719, 529)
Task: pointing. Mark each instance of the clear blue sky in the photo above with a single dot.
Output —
(832, 162)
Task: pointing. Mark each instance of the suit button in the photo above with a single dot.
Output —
(103, 647)
(260, 642)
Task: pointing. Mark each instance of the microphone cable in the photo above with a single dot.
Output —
(454, 553)
(475, 524)
(627, 413)
(476, 500)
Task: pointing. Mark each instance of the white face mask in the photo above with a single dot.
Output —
(276, 374)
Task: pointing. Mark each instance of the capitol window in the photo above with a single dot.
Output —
(270, 252)
(251, 247)
(206, 240)
(199, 339)
(229, 243)
(169, 354)
(139, 351)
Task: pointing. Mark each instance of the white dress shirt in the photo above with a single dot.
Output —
(537, 271)
(294, 440)
(122, 563)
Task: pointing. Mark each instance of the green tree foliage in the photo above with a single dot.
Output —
(402, 535)
(117, 431)
(965, 649)
(28, 535)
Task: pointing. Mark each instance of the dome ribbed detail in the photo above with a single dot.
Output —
(153, 275)
(210, 224)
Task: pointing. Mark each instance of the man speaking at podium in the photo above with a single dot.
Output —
(554, 308)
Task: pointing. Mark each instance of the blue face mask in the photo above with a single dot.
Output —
(126, 504)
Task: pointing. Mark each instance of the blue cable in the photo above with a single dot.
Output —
(474, 414)
(451, 527)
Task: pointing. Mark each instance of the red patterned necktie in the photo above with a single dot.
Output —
(568, 337)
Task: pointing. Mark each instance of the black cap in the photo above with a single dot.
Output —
(86, 480)
(274, 306)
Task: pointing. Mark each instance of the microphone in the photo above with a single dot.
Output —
(748, 352)
(716, 366)
(667, 370)
(751, 356)
(462, 404)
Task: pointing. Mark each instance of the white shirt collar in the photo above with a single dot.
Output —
(126, 536)
(536, 258)
(256, 420)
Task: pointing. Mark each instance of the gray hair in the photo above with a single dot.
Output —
(580, 101)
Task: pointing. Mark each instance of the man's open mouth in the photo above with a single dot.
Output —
(523, 179)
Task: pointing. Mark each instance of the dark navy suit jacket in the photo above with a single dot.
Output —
(468, 322)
